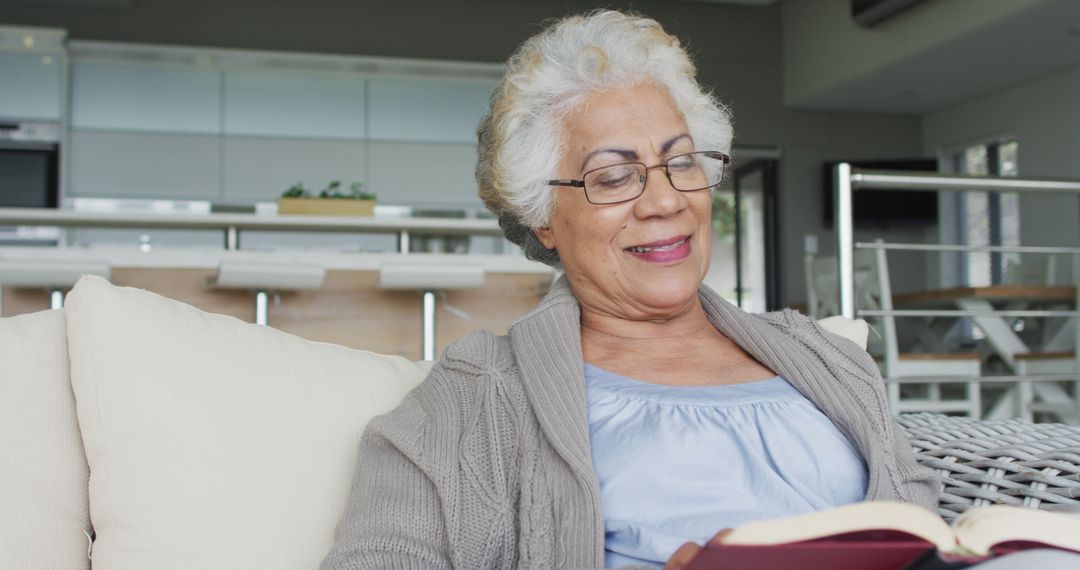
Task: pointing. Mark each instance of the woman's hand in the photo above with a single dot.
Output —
(688, 551)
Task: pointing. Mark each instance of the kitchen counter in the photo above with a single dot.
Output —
(350, 309)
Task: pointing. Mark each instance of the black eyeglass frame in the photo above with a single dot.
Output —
(708, 153)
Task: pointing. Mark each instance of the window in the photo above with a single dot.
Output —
(986, 218)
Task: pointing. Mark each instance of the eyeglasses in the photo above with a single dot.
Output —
(625, 181)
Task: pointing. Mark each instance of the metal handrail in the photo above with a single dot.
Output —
(905, 180)
(847, 180)
(1002, 379)
(972, 248)
(963, 313)
(232, 224)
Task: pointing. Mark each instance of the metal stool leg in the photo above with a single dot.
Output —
(261, 307)
(427, 345)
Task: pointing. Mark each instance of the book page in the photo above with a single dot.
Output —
(874, 515)
(981, 529)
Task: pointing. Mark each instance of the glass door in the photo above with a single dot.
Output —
(744, 249)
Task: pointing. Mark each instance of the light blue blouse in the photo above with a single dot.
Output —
(678, 464)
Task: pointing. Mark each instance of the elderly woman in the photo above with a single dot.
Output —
(633, 410)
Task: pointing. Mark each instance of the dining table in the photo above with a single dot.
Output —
(996, 310)
(990, 302)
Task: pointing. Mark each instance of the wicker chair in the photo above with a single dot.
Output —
(1012, 462)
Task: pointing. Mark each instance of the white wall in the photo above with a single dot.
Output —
(1044, 116)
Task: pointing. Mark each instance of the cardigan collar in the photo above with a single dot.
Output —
(547, 346)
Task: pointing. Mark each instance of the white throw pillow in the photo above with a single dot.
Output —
(215, 443)
(855, 330)
(43, 505)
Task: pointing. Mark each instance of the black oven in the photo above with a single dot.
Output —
(29, 174)
(29, 164)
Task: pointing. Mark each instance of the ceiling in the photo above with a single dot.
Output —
(1034, 43)
(762, 3)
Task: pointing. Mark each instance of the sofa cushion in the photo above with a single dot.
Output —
(214, 443)
(43, 475)
(855, 330)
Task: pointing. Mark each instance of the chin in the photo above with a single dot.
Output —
(669, 293)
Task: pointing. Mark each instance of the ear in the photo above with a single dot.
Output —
(546, 236)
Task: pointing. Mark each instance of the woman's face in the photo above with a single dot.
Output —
(601, 246)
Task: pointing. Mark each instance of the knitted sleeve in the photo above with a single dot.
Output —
(922, 483)
(393, 518)
(410, 505)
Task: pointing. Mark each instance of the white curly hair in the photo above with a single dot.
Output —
(520, 140)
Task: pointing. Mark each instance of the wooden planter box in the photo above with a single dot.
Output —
(326, 206)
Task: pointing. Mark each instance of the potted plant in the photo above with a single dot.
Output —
(330, 201)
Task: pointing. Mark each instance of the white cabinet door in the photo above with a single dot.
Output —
(30, 86)
(423, 174)
(146, 98)
(259, 169)
(145, 165)
(294, 104)
(427, 110)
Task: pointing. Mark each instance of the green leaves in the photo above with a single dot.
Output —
(295, 191)
(723, 215)
(332, 191)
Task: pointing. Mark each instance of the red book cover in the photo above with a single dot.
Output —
(906, 538)
(864, 550)
(812, 556)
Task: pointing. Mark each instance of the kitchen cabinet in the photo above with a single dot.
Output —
(427, 110)
(259, 169)
(424, 175)
(31, 86)
(291, 103)
(145, 165)
(137, 97)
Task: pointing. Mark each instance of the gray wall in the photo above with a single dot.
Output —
(824, 48)
(738, 50)
(1044, 117)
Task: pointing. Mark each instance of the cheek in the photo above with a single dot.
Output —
(589, 239)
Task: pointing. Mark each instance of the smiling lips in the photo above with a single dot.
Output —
(664, 251)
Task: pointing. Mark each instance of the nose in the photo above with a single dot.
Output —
(660, 198)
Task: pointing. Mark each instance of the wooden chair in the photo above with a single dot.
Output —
(874, 291)
(822, 286)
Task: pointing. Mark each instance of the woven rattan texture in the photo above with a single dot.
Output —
(1011, 462)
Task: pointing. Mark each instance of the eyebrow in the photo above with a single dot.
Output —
(629, 154)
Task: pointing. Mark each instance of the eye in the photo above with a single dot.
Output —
(612, 177)
(682, 162)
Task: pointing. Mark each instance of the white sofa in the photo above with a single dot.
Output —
(190, 440)
(180, 439)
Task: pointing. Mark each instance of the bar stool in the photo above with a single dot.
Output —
(55, 276)
(428, 278)
(264, 278)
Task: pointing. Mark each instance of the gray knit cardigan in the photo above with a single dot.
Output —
(486, 464)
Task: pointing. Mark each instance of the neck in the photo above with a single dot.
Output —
(604, 334)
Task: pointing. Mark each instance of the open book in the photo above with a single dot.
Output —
(889, 536)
